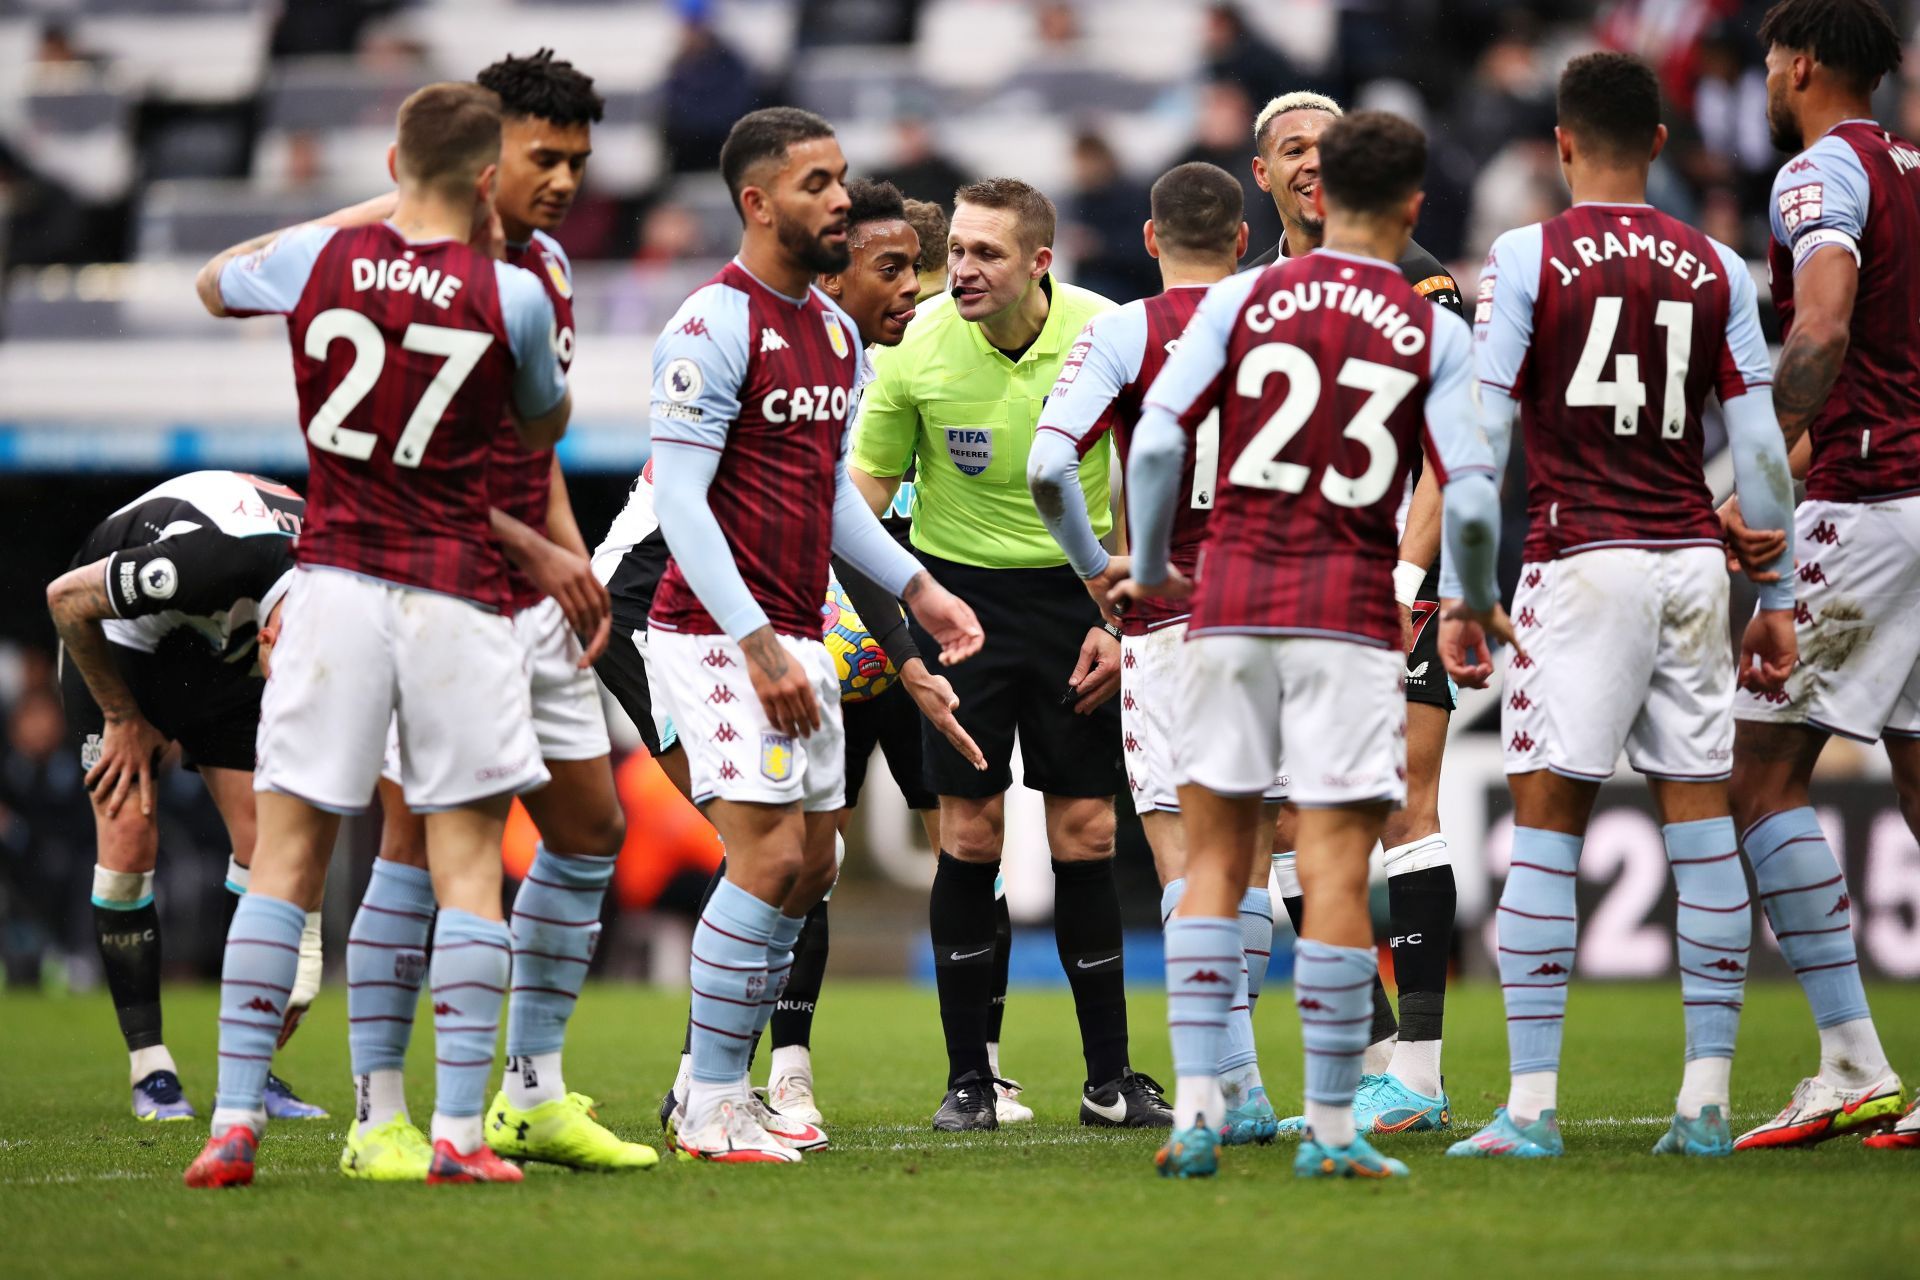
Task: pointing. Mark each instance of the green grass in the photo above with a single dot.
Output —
(86, 1191)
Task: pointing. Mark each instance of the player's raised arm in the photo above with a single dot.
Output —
(1188, 386)
(261, 276)
(1075, 421)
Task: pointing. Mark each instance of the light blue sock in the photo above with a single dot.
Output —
(1714, 931)
(1236, 1046)
(1538, 933)
(471, 962)
(780, 943)
(1203, 965)
(555, 927)
(1170, 898)
(1256, 940)
(256, 977)
(386, 963)
(729, 978)
(1806, 900)
(1333, 990)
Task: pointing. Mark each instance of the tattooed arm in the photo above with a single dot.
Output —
(78, 601)
(1823, 293)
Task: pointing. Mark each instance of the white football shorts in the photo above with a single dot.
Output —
(567, 717)
(1857, 615)
(1626, 648)
(733, 750)
(1151, 667)
(357, 655)
(1333, 711)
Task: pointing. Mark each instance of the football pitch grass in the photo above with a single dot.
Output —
(87, 1191)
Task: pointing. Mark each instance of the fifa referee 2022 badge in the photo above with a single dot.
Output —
(959, 399)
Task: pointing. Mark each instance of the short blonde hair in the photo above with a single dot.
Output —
(1298, 100)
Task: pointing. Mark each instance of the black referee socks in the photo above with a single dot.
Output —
(1086, 927)
(1002, 962)
(961, 917)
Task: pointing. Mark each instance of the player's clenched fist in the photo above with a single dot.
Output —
(1768, 651)
(1464, 633)
(782, 685)
(947, 618)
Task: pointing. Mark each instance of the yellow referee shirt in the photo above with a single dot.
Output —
(948, 399)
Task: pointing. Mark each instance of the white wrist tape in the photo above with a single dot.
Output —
(1407, 580)
(238, 877)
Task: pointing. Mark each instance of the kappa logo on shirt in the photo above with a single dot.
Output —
(771, 341)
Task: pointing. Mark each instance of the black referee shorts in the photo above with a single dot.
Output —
(892, 723)
(184, 689)
(1035, 622)
(624, 672)
(1427, 680)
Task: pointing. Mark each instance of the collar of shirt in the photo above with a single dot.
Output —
(800, 301)
(1051, 338)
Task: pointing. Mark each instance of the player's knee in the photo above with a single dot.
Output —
(972, 835)
(590, 834)
(1083, 832)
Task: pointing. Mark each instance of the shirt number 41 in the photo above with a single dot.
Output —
(1626, 395)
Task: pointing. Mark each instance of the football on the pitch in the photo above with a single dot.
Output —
(864, 668)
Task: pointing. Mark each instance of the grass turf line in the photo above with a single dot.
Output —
(87, 1191)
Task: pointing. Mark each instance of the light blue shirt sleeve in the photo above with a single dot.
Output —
(698, 366)
(1188, 384)
(1105, 358)
(862, 541)
(699, 363)
(538, 379)
(1820, 198)
(1503, 313)
(270, 280)
(1765, 484)
(1746, 344)
(1459, 446)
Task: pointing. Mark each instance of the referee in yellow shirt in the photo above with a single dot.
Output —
(960, 398)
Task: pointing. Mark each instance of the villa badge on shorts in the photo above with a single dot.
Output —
(836, 336)
(776, 756)
(971, 448)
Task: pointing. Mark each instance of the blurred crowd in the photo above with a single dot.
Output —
(1477, 73)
